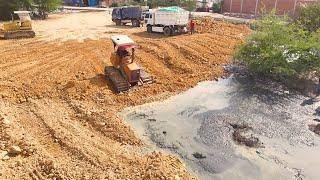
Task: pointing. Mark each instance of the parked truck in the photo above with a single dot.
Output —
(169, 20)
(124, 15)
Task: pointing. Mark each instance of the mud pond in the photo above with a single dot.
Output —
(196, 125)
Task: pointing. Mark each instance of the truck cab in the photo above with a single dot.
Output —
(148, 20)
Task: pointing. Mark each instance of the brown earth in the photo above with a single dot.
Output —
(58, 107)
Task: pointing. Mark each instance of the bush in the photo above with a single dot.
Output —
(114, 4)
(309, 17)
(45, 6)
(216, 7)
(161, 3)
(7, 7)
(188, 5)
(278, 48)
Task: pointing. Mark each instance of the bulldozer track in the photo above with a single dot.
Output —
(119, 82)
(19, 34)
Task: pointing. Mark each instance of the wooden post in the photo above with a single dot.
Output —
(255, 10)
(230, 6)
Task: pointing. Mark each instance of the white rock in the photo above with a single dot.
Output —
(6, 121)
(4, 155)
(176, 177)
(15, 150)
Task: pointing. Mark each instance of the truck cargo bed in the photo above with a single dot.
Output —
(171, 18)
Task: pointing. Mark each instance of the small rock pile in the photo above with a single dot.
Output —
(243, 135)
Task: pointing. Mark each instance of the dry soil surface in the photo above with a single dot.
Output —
(58, 112)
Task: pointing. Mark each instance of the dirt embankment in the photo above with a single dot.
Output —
(58, 107)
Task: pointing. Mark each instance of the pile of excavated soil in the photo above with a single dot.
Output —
(209, 25)
(60, 110)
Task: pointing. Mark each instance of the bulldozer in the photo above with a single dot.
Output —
(125, 73)
(19, 27)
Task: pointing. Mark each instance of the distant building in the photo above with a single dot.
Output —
(256, 7)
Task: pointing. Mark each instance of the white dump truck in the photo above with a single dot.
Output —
(169, 20)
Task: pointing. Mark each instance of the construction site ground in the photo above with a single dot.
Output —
(58, 112)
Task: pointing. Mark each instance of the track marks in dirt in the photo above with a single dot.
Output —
(62, 102)
(36, 129)
(74, 71)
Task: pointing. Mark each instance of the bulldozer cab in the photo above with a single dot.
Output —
(15, 17)
(23, 18)
(20, 20)
(123, 45)
(124, 48)
(22, 15)
(126, 53)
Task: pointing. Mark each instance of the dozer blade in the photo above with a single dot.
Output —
(118, 81)
(145, 77)
(18, 34)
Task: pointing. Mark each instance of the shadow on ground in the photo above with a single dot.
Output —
(153, 35)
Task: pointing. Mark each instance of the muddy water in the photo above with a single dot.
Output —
(195, 125)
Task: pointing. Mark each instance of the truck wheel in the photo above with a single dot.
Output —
(135, 23)
(167, 31)
(149, 29)
(118, 22)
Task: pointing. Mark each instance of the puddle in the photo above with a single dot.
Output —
(195, 125)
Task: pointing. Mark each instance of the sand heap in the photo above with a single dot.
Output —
(209, 25)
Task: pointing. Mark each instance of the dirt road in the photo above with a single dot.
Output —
(59, 109)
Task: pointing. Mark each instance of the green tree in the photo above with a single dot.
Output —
(278, 48)
(114, 4)
(216, 7)
(161, 3)
(189, 5)
(45, 6)
(7, 7)
(309, 17)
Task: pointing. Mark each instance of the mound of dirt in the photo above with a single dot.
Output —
(209, 25)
